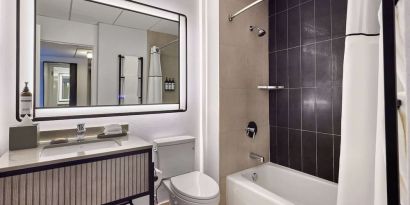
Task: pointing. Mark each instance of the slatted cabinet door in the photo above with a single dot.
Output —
(90, 183)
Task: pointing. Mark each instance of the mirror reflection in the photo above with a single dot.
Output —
(91, 54)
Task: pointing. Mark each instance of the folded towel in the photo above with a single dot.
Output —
(113, 132)
(112, 129)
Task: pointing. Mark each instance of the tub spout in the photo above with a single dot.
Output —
(257, 157)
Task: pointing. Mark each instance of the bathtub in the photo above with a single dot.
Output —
(272, 184)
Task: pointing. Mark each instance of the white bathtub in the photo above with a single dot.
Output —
(278, 185)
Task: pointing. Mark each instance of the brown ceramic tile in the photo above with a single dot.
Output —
(233, 109)
(233, 67)
(243, 66)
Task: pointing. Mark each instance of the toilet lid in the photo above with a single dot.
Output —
(195, 185)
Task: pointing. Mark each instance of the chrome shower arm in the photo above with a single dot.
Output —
(232, 16)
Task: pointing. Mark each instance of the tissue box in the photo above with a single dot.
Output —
(23, 137)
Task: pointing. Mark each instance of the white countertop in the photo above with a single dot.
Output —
(28, 158)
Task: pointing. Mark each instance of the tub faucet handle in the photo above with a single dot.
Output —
(251, 129)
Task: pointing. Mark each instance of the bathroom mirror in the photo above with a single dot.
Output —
(97, 58)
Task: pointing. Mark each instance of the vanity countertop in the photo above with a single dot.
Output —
(29, 158)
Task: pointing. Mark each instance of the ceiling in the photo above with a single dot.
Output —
(93, 13)
(64, 50)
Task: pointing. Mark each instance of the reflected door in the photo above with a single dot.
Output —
(59, 84)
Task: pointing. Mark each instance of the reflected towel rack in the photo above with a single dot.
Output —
(270, 87)
(121, 94)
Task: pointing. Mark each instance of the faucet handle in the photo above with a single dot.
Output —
(80, 127)
(81, 131)
(251, 129)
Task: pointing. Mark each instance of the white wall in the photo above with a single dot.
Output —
(72, 32)
(114, 41)
(58, 30)
(7, 68)
(148, 127)
(210, 108)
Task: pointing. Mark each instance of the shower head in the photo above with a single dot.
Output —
(261, 32)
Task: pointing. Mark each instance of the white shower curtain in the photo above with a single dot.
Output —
(362, 174)
(154, 95)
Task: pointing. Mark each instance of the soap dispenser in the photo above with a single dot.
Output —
(26, 100)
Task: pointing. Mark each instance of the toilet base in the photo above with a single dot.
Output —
(175, 200)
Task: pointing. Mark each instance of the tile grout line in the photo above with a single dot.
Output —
(300, 85)
(276, 95)
(308, 44)
(287, 76)
(324, 133)
(288, 8)
(332, 88)
(315, 84)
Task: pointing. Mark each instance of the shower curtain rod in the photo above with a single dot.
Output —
(232, 16)
(168, 44)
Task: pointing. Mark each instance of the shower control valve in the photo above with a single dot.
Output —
(251, 129)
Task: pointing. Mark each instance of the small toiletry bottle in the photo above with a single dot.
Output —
(166, 84)
(169, 84)
(173, 84)
(26, 99)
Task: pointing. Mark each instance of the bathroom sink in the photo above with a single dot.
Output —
(70, 149)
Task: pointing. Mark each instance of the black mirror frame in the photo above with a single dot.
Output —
(18, 24)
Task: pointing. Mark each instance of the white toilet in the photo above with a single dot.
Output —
(175, 157)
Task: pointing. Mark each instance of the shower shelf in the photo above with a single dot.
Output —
(270, 87)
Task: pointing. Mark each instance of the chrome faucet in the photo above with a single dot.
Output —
(250, 132)
(257, 157)
(251, 129)
(81, 131)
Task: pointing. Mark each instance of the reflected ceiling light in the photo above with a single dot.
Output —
(89, 55)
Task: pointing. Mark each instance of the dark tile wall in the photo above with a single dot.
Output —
(306, 47)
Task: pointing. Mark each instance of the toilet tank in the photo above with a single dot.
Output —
(175, 155)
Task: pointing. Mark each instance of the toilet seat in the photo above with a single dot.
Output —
(195, 187)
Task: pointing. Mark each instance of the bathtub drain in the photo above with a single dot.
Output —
(254, 177)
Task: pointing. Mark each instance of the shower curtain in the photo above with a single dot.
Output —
(154, 95)
(362, 174)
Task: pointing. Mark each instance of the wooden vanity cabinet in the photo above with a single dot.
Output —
(110, 179)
